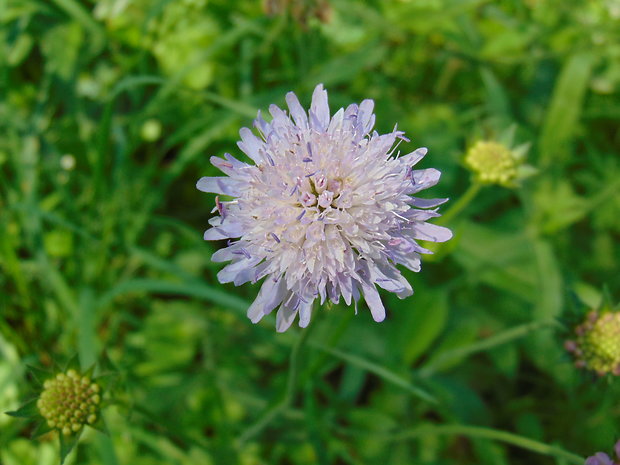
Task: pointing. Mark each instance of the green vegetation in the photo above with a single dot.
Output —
(109, 112)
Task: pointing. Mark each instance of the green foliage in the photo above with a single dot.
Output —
(109, 111)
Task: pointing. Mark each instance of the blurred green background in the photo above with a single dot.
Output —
(109, 112)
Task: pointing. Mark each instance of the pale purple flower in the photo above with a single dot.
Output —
(601, 458)
(325, 211)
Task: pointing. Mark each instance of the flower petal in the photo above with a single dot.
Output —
(225, 231)
(231, 166)
(230, 271)
(320, 107)
(412, 158)
(269, 297)
(297, 111)
(365, 117)
(251, 145)
(423, 179)
(425, 203)
(220, 185)
(305, 312)
(285, 317)
(599, 458)
(431, 232)
(373, 300)
(390, 279)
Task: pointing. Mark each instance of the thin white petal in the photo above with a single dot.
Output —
(412, 158)
(285, 317)
(373, 300)
(297, 111)
(425, 203)
(423, 179)
(226, 231)
(365, 117)
(251, 145)
(220, 185)
(305, 312)
(320, 107)
(230, 271)
(269, 297)
(432, 232)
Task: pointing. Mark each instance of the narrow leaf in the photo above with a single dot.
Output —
(28, 410)
(565, 107)
(378, 370)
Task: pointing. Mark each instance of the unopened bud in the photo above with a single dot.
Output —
(597, 343)
(67, 399)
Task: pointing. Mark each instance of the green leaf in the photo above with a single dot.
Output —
(378, 370)
(497, 99)
(67, 443)
(41, 429)
(72, 364)
(190, 289)
(428, 315)
(39, 374)
(100, 425)
(28, 410)
(565, 108)
(501, 259)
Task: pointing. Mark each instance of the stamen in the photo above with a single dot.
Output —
(401, 217)
(411, 175)
(300, 216)
(275, 237)
(243, 252)
(220, 208)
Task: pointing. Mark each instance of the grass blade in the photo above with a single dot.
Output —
(378, 370)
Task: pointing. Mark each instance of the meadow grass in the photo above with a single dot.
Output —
(109, 112)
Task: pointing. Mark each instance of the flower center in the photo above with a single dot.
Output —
(323, 193)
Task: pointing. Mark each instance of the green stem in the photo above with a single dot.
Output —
(289, 393)
(495, 435)
(461, 203)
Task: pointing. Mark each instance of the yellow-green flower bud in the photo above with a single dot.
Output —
(597, 343)
(492, 163)
(69, 401)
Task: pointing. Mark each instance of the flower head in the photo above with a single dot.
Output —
(497, 162)
(597, 343)
(600, 458)
(69, 402)
(491, 162)
(326, 210)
